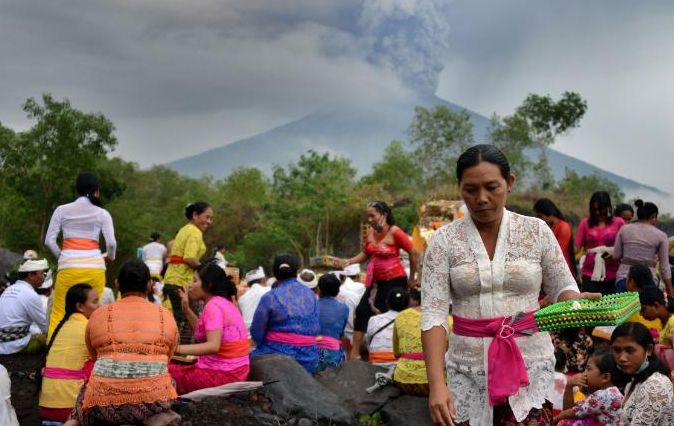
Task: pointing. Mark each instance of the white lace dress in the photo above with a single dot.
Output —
(650, 404)
(457, 270)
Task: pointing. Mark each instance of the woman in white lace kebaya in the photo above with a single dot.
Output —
(491, 266)
(649, 397)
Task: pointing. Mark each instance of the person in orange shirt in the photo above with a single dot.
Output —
(131, 342)
(547, 210)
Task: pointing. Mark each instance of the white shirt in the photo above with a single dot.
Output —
(457, 270)
(382, 341)
(81, 219)
(154, 254)
(249, 300)
(7, 413)
(20, 306)
(107, 297)
(350, 294)
(650, 404)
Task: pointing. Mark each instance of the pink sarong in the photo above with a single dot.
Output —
(64, 373)
(329, 343)
(290, 338)
(419, 356)
(506, 372)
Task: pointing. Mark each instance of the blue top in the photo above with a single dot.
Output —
(288, 307)
(332, 315)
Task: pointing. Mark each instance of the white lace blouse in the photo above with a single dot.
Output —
(650, 404)
(457, 270)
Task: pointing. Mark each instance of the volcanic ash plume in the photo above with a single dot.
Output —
(408, 36)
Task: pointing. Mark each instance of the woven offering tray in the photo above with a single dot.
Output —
(185, 359)
(613, 310)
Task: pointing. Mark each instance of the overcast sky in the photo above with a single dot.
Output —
(180, 77)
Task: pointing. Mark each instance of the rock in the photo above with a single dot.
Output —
(22, 370)
(231, 410)
(8, 260)
(349, 382)
(297, 394)
(407, 410)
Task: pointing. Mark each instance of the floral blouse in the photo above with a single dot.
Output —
(650, 404)
(457, 270)
(601, 406)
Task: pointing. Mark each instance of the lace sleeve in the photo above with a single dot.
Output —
(652, 402)
(435, 281)
(556, 274)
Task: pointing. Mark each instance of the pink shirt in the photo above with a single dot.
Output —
(220, 313)
(591, 237)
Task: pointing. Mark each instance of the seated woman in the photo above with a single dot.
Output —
(380, 329)
(333, 316)
(131, 342)
(223, 342)
(654, 305)
(286, 320)
(649, 397)
(410, 373)
(638, 278)
(67, 365)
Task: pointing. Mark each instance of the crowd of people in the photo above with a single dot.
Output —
(465, 336)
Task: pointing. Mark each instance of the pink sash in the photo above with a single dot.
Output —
(64, 373)
(290, 338)
(419, 356)
(506, 372)
(327, 342)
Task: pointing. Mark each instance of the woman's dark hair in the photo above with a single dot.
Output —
(383, 209)
(215, 281)
(199, 207)
(603, 201)
(284, 267)
(642, 336)
(155, 236)
(86, 185)
(642, 276)
(133, 277)
(560, 360)
(79, 293)
(650, 295)
(329, 285)
(547, 207)
(415, 293)
(622, 208)
(479, 153)
(646, 210)
(605, 362)
(398, 299)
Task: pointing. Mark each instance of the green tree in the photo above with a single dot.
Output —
(39, 166)
(511, 135)
(439, 136)
(577, 189)
(398, 172)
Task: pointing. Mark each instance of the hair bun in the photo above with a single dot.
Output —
(639, 203)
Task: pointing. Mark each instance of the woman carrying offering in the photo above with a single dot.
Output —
(80, 260)
(183, 260)
(223, 341)
(67, 365)
(382, 246)
(491, 266)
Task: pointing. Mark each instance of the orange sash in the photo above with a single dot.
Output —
(235, 349)
(79, 244)
(176, 259)
(382, 357)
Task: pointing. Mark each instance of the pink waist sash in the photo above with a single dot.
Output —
(64, 373)
(506, 372)
(290, 338)
(419, 356)
(327, 342)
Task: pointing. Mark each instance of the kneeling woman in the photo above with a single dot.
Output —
(223, 348)
(67, 364)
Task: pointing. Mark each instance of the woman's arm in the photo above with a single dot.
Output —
(185, 304)
(359, 258)
(209, 347)
(53, 233)
(258, 328)
(440, 401)
(192, 262)
(618, 246)
(109, 235)
(414, 265)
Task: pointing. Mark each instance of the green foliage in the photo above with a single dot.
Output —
(398, 172)
(577, 190)
(439, 136)
(370, 420)
(511, 135)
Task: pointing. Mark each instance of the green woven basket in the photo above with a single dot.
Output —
(613, 310)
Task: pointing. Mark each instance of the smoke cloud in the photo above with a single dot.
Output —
(409, 37)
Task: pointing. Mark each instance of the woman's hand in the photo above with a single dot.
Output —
(184, 300)
(441, 404)
(579, 380)
(412, 283)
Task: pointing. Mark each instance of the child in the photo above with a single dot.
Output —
(654, 306)
(603, 405)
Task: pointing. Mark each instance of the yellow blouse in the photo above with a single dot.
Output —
(667, 332)
(654, 324)
(189, 243)
(407, 339)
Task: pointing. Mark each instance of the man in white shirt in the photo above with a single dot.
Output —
(20, 307)
(154, 254)
(257, 281)
(350, 293)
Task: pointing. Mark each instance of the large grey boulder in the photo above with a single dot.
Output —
(8, 260)
(296, 394)
(349, 382)
(407, 410)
